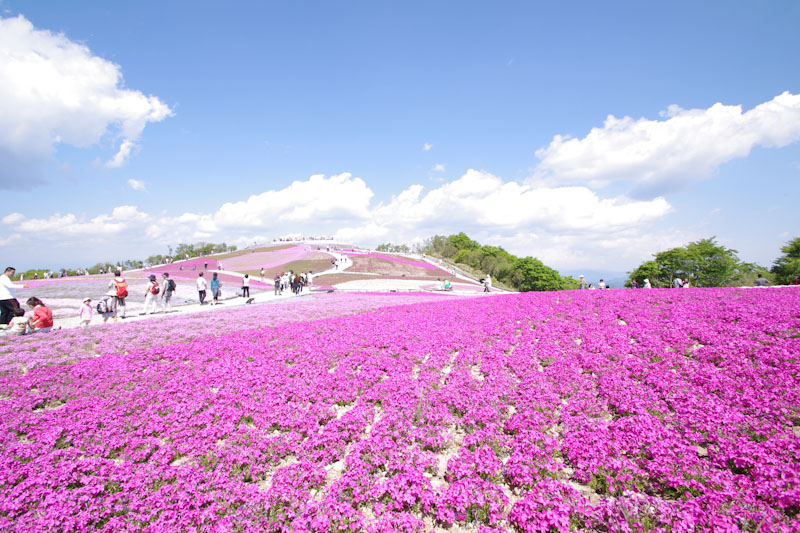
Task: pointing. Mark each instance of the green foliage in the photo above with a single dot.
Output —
(536, 276)
(787, 266)
(647, 270)
(194, 250)
(395, 248)
(705, 262)
(524, 274)
(202, 248)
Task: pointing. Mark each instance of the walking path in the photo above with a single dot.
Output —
(261, 295)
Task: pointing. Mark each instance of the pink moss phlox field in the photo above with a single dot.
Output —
(660, 410)
(271, 258)
(20, 354)
(394, 259)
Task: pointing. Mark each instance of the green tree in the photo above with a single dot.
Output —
(536, 276)
(705, 262)
(711, 264)
(462, 242)
(787, 266)
(647, 270)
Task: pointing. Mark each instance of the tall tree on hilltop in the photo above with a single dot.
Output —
(705, 262)
(787, 266)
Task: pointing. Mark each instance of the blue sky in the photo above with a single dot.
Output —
(131, 127)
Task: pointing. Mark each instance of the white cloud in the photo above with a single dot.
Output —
(438, 168)
(59, 226)
(427, 147)
(10, 239)
(550, 223)
(121, 157)
(479, 198)
(315, 203)
(54, 90)
(137, 185)
(661, 155)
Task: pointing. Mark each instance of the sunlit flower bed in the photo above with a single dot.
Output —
(661, 410)
(393, 259)
(272, 258)
(21, 354)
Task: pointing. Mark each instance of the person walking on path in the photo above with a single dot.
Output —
(85, 312)
(277, 283)
(167, 289)
(201, 288)
(151, 295)
(246, 286)
(262, 274)
(215, 288)
(118, 288)
(8, 296)
(42, 319)
(487, 283)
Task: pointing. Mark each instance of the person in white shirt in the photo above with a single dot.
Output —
(201, 288)
(8, 296)
(647, 284)
(19, 325)
(151, 297)
(601, 285)
(246, 286)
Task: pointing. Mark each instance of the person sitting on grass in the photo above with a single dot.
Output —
(42, 319)
(18, 325)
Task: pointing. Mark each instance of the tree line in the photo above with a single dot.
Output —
(706, 263)
(519, 273)
(180, 252)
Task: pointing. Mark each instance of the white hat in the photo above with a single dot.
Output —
(580, 276)
(646, 280)
(87, 299)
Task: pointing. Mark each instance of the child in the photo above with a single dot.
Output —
(85, 312)
(18, 326)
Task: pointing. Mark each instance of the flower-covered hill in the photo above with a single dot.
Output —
(587, 410)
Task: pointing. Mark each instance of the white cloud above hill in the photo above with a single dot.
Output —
(658, 156)
(542, 221)
(54, 90)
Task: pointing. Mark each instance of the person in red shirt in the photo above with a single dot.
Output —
(42, 319)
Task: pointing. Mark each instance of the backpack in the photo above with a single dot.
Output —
(171, 285)
(154, 288)
(102, 306)
(122, 288)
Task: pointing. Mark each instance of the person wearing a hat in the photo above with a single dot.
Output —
(150, 294)
(646, 284)
(582, 283)
(85, 312)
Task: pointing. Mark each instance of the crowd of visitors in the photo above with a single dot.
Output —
(291, 281)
